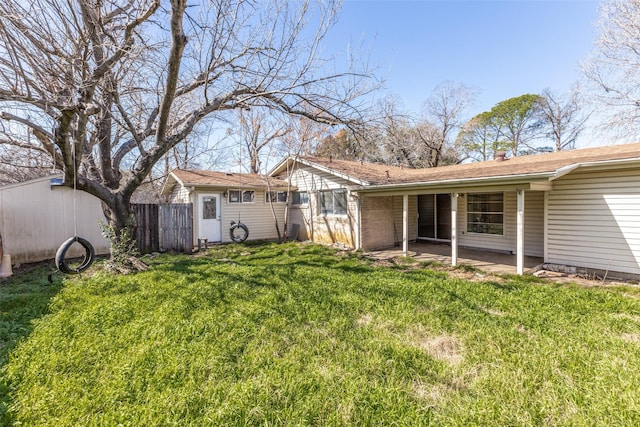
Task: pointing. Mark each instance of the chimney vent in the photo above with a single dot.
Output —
(500, 156)
(387, 172)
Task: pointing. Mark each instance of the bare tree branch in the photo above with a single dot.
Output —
(109, 89)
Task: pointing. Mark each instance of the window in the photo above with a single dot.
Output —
(209, 205)
(234, 196)
(299, 198)
(333, 202)
(485, 213)
(246, 196)
(276, 196)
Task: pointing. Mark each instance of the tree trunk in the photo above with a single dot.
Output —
(118, 213)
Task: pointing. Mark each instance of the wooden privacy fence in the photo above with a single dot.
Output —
(164, 227)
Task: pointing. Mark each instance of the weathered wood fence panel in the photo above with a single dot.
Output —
(146, 232)
(164, 227)
(176, 227)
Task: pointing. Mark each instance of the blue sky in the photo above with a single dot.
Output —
(503, 48)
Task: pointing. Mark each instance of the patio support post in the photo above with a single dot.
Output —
(454, 229)
(405, 225)
(520, 234)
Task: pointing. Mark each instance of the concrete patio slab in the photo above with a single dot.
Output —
(491, 262)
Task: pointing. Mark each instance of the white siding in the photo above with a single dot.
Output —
(594, 221)
(257, 216)
(301, 215)
(534, 223)
(315, 226)
(35, 219)
(180, 194)
(533, 226)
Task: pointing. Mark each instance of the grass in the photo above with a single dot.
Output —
(300, 335)
(23, 298)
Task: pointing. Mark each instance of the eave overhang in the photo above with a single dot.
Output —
(278, 169)
(535, 181)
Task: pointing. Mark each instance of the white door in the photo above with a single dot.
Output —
(209, 216)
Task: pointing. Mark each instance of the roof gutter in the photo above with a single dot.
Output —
(570, 168)
(502, 179)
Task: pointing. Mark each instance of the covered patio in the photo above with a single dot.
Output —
(491, 262)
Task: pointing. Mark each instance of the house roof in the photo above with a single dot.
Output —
(362, 173)
(545, 165)
(216, 179)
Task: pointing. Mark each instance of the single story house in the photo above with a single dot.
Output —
(219, 198)
(577, 208)
(38, 215)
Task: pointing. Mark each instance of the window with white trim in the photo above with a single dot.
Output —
(299, 198)
(248, 196)
(333, 202)
(237, 196)
(276, 196)
(485, 213)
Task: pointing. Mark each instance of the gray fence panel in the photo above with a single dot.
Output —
(176, 227)
(146, 231)
(164, 227)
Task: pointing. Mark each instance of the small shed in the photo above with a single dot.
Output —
(38, 215)
(219, 198)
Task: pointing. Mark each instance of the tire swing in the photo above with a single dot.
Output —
(89, 253)
(238, 231)
(89, 256)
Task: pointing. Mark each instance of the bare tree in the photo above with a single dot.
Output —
(300, 139)
(259, 129)
(111, 87)
(613, 65)
(444, 113)
(563, 117)
(428, 141)
(394, 135)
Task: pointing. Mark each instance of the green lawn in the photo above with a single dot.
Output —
(299, 335)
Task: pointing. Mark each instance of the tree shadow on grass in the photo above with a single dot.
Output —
(24, 297)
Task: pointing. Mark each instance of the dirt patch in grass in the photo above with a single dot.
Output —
(439, 393)
(430, 394)
(384, 263)
(470, 274)
(364, 320)
(493, 312)
(634, 338)
(632, 317)
(445, 348)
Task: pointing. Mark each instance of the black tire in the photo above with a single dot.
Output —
(89, 256)
(238, 232)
